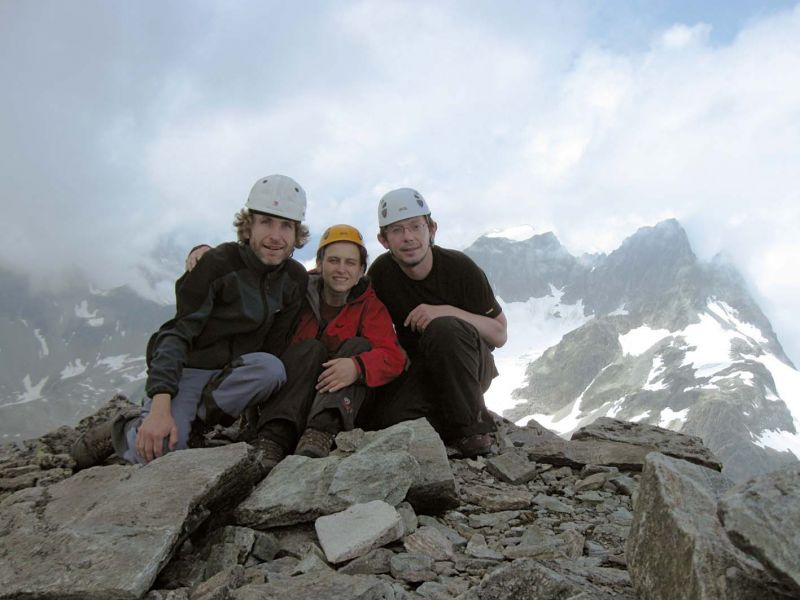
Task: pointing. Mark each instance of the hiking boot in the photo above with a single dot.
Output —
(314, 443)
(270, 453)
(474, 445)
(94, 445)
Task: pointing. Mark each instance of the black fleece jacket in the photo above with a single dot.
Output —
(230, 304)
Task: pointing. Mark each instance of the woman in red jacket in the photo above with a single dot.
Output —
(344, 343)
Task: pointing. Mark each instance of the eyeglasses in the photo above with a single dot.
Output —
(414, 228)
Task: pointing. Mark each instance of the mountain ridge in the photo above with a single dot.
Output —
(706, 367)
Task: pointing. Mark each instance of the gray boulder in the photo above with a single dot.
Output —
(108, 531)
(677, 547)
(405, 461)
(762, 517)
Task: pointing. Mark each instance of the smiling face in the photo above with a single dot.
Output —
(272, 238)
(409, 241)
(341, 268)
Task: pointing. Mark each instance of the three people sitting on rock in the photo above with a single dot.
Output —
(245, 304)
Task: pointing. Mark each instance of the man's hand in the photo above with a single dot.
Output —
(157, 426)
(338, 374)
(419, 318)
(195, 255)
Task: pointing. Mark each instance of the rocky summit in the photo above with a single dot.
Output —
(621, 510)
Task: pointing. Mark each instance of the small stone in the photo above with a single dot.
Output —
(413, 568)
(349, 441)
(430, 541)
(373, 563)
(477, 548)
(624, 484)
(493, 519)
(552, 504)
(265, 546)
(357, 530)
(451, 534)
(513, 467)
(314, 560)
(409, 516)
(592, 497)
(496, 499)
(593, 482)
(220, 585)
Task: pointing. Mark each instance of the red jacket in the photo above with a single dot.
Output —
(363, 315)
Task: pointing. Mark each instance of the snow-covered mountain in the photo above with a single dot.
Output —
(647, 333)
(63, 355)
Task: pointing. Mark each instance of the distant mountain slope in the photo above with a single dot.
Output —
(666, 339)
(63, 355)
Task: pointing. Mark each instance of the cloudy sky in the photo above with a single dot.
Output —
(129, 129)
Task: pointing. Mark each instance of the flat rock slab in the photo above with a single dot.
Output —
(106, 532)
(762, 517)
(405, 461)
(359, 529)
(658, 439)
(316, 586)
(579, 453)
(677, 547)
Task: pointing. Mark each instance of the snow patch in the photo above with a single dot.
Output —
(674, 420)
(711, 346)
(82, 311)
(97, 291)
(32, 392)
(533, 327)
(619, 312)
(519, 233)
(639, 340)
(730, 315)
(640, 417)
(73, 369)
(779, 440)
(615, 407)
(653, 379)
(115, 363)
(746, 376)
(45, 351)
(567, 419)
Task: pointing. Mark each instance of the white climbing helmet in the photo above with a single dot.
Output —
(399, 204)
(278, 195)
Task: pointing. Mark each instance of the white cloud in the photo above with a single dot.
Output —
(131, 123)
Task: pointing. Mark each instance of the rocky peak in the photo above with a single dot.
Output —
(530, 268)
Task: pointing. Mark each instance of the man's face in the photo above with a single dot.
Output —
(272, 238)
(408, 240)
(341, 267)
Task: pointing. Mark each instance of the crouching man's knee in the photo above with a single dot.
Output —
(444, 334)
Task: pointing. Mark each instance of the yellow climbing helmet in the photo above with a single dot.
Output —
(340, 233)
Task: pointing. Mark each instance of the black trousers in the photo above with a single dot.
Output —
(445, 384)
(298, 405)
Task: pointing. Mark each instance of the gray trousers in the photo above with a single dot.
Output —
(211, 395)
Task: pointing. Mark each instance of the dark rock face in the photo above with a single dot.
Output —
(70, 351)
(522, 524)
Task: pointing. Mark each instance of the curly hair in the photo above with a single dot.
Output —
(243, 221)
